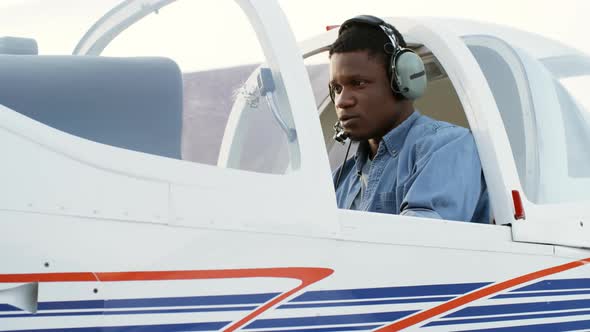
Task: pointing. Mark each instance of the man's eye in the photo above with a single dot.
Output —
(359, 82)
(336, 88)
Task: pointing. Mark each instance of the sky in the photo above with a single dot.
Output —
(58, 24)
(565, 20)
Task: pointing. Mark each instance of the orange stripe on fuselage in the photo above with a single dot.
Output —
(307, 276)
(476, 295)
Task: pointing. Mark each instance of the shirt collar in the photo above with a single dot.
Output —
(393, 140)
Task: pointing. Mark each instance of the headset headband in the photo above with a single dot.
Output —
(372, 21)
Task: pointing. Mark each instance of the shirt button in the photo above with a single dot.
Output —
(394, 153)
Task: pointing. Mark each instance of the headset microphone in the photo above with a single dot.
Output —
(339, 135)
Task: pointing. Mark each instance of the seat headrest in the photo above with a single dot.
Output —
(132, 103)
(17, 45)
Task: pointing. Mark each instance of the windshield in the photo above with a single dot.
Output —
(545, 109)
(572, 79)
(70, 19)
(176, 83)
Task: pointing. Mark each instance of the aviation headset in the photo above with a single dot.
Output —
(405, 69)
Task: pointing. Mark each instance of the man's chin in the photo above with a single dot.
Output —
(355, 137)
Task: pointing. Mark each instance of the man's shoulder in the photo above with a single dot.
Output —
(427, 129)
(429, 126)
(429, 135)
(346, 166)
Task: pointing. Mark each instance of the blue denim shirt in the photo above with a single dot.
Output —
(424, 168)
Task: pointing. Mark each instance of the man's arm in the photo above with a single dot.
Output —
(341, 191)
(447, 180)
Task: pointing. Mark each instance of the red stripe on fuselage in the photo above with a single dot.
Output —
(476, 295)
(306, 275)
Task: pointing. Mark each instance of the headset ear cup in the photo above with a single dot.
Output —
(409, 74)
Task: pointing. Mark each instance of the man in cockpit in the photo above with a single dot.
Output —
(406, 163)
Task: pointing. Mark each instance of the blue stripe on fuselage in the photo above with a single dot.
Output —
(500, 309)
(388, 292)
(556, 284)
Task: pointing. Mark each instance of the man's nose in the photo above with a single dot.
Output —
(344, 99)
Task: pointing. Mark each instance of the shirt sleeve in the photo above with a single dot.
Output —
(447, 181)
(343, 189)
